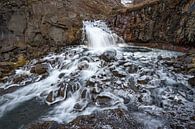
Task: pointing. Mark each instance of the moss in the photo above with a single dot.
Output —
(21, 61)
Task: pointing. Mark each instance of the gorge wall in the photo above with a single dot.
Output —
(159, 21)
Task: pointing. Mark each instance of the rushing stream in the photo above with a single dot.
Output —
(105, 74)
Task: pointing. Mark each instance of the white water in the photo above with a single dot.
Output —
(98, 35)
(98, 38)
(126, 2)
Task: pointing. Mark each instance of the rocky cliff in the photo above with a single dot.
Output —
(165, 21)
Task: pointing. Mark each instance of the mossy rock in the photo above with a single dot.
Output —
(21, 61)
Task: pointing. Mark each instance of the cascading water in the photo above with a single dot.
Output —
(99, 36)
(83, 79)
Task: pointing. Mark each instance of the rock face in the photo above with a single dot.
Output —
(170, 21)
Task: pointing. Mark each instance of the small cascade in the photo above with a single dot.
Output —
(98, 36)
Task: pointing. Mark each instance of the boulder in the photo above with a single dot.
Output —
(50, 98)
(39, 69)
(119, 73)
(191, 81)
(109, 55)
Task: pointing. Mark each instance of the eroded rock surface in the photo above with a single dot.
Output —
(167, 21)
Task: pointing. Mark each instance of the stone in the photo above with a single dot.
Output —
(132, 68)
(39, 69)
(192, 118)
(143, 81)
(109, 55)
(19, 79)
(21, 61)
(191, 81)
(103, 101)
(61, 92)
(119, 73)
(83, 65)
(61, 75)
(50, 98)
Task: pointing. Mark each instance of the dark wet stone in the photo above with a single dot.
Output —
(143, 81)
(54, 125)
(83, 65)
(50, 97)
(61, 75)
(131, 84)
(109, 55)
(80, 106)
(91, 82)
(84, 94)
(132, 68)
(61, 92)
(174, 126)
(103, 101)
(119, 73)
(191, 126)
(19, 79)
(159, 57)
(169, 63)
(126, 100)
(191, 81)
(39, 69)
(192, 118)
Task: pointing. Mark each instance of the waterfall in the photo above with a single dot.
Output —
(98, 36)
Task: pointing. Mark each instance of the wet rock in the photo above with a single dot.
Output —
(143, 81)
(84, 93)
(159, 57)
(191, 126)
(131, 84)
(61, 92)
(103, 101)
(83, 65)
(19, 79)
(191, 81)
(61, 75)
(132, 68)
(118, 118)
(119, 73)
(91, 82)
(80, 106)
(39, 69)
(109, 55)
(192, 118)
(50, 97)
